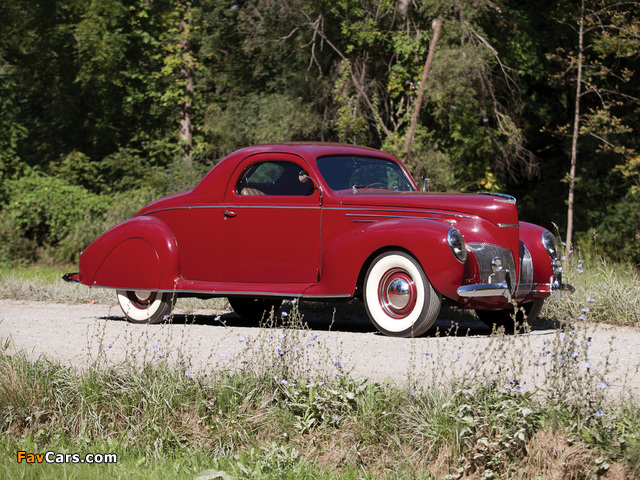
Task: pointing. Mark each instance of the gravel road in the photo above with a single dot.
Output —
(333, 343)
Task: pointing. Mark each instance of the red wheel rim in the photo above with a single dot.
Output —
(141, 299)
(397, 293)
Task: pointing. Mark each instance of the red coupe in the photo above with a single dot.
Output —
(327, 222)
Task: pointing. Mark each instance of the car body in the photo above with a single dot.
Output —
(326, 222)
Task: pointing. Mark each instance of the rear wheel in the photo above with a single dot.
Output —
(144, 306)
(511, 321)
(399, 298)
(254, 308)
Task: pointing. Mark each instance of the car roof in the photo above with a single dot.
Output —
(312, 149)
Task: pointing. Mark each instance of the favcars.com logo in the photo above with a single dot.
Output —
(53, 457)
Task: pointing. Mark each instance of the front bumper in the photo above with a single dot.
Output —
(505, 290)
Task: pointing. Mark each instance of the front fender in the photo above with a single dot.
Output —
(343, 260)
(531, 236)
(140, 253)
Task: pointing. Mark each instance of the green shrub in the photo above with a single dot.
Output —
(39, 214)
(619, 234)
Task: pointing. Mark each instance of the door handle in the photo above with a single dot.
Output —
(229, 214)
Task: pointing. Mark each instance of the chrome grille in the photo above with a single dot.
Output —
(485, 253)
(526, 270)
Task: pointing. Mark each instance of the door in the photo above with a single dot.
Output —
(271, 223)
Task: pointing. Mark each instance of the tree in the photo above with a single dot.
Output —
(605, 33)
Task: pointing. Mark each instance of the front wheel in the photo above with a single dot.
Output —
(399, 298)
(143, 306)
(511, 321)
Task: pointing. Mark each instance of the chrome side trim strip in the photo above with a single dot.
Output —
(395, 210)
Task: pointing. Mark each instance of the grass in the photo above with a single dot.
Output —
(249, 423)
(279, 412)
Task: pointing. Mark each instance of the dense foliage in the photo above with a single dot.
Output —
(101, 99)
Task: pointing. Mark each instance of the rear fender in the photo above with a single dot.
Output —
(346, 257)
(139, 254)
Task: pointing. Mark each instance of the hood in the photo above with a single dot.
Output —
(496, 208)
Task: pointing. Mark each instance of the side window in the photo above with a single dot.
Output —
(273, 178)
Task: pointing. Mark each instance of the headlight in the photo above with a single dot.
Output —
(457, 245)
(550, 244)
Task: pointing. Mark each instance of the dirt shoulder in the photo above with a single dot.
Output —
(334, 343)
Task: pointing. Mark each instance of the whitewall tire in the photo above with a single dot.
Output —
(400, 300)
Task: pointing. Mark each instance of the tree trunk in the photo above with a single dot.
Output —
(437, 27)
(186, 122)
(576, 134)
(403, 9)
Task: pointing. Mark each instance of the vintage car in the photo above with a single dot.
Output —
(327, 222)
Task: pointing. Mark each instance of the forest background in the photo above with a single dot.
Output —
(106, 105)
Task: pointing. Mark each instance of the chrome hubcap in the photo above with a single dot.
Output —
(397, 293)
(141, 298)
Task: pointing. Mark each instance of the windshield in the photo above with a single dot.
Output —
(342, 172)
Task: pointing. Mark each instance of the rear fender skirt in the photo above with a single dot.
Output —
(140, 254)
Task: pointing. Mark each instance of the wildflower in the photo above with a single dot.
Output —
(519, 389)
(427, 353)
(294, 301)
(284, 314)
(297, 349)
(282, 336)
(179, 362)
(569, 319)
(412, 393)
(585, 310)
(241, 339)
(217, 319)
(564, 258)
(587, 364)
(223, 356)
(188, 373)
(600, 413)
(582, 317)
(336, 418)
(590, 299)
(284, 382)
(166, 317)
(320, 384)
(602, 385)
